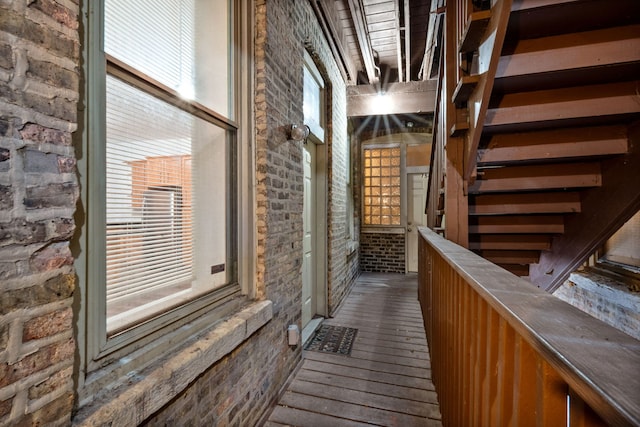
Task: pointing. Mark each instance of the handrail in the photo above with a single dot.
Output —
(504, 352)
(438, 138)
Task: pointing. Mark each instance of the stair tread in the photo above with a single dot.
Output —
(474, 31)
(548, 108)
(557, 144)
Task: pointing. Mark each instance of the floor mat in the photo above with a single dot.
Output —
(333, 339)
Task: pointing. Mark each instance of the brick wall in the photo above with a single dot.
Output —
(382, 252)
(39, 83)
(604, 298)
(39, 102)
(341, 265)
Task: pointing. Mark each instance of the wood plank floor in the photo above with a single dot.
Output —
(386, 381)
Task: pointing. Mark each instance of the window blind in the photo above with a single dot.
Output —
(148, 192)
(167, 170)
(154, 37)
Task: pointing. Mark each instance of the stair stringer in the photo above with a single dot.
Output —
(604, 210)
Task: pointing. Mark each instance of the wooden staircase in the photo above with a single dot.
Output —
(552, 165)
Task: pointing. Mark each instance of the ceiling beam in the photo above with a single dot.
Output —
(362, 34)
(431, 45)
(325, 14)
(399, 98)
(399, 41)
(407, 41)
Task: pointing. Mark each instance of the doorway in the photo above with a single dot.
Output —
(309, 213)
(417, 196)
(314, 247)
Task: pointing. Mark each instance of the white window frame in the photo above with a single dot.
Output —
(104, 362)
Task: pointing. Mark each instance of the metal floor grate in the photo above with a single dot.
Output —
(333, 339)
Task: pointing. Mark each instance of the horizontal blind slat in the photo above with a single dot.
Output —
(149, 203)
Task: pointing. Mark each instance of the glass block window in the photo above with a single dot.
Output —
(381, 169)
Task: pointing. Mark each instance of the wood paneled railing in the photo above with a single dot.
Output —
(505, 353)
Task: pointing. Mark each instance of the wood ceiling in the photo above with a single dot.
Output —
(377, 41)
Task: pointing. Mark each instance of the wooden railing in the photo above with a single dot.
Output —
(435, 187)
(505, 353)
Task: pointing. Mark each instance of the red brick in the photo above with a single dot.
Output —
(52, 257)
(57, 12)
(40, 134)
(47, 325)
(5, 407)
(53, 383)
(66, 164)
(42, 359)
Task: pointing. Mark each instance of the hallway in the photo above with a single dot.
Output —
(386, 380)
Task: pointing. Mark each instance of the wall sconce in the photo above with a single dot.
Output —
(299, 132)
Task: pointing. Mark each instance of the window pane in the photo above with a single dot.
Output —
(313, 99)
(165, 205)
(624, 246)
(163, 38)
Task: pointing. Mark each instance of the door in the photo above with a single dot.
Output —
(417, 189)
(309, 261)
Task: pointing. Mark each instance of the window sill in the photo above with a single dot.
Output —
(136, 402)
(391, 229)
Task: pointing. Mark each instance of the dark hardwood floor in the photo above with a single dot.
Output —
(386, 381)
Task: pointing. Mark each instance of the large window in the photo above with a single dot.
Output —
(161, 181)
(168, 196)
(382, 189)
